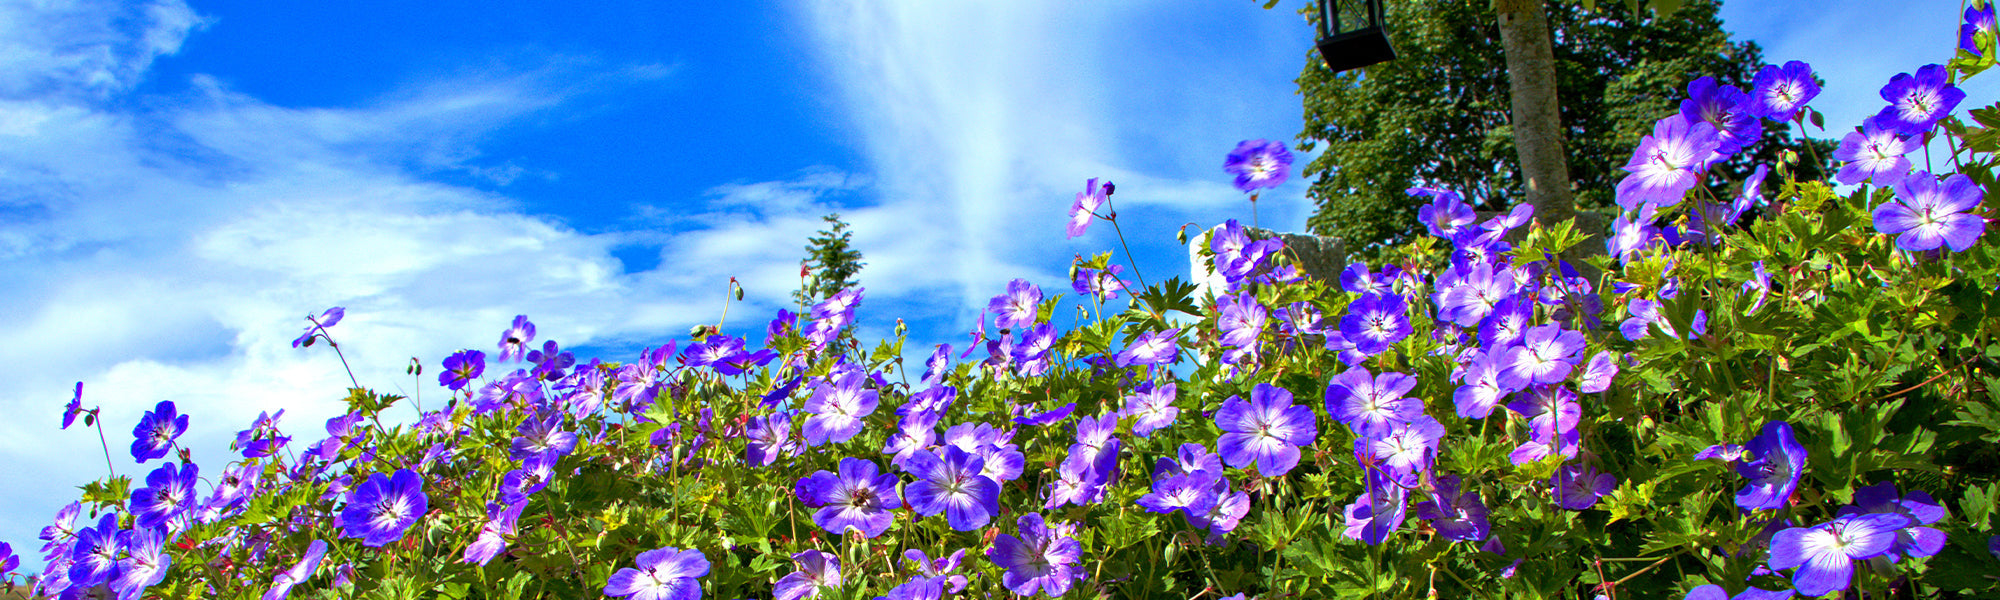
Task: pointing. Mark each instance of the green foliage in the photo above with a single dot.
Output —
(1438, 114)
(831, 262)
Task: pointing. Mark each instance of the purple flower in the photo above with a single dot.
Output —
(1369, 404)
(1577, 487)
(1928, 216)
(1477, 293)
(1152, 408)
(1915, 540)
(770, 436)
(381, 509)
(1085, 208)
(1602, 369)
(1017, 308)
(1775, 462)
(1241, 320)
(1188, 492)
(1455, 512)
(1266, 431)
(948, 481)
(74, 407)
(168, 496)
(492, 539)
(144, 565)
(461, 368)
(1668, 163)
(281, 586)
(1874, 153)
(1446, 215)
(1259, 164)
(1103, 285)
(859, 497)
(1378, 512)
(94, 556)
(319, 325)
(1547, 355)
(1759, 282)
(1482, 390)
(542, 436)
(816, 571)
(1376, 321)
(157, 431)
(663, 574)
(938, 365)
(1916, 103)
(1159, 348)
(1724, 107)
(1716, 592)
(514, 341)
(1031, 356)
(1406, 451)
(1824, 554)
(1779, 92)
(837, 407)
(1979, 23)
(8, 561)
(1552, 414)
(1041, 558)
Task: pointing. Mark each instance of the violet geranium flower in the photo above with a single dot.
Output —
(1667, 163)
(860, 497)
(281, 586)
(1152, 407)
(1369, 404)
(382, 508)
(1915, 540)
(1159, 348)
(1266, 431)
(1085, 207)
(837, 407)
(1017, 308)
(1927, 215)
(1778, 92)
(1455, 511)
(514, 341)
(1259, 164)
(1375, 322)
(168, 496)
(816, 571)
(1041, 558)
(1547, 355)
(1916, 103)
(157, 431)
(1824, 554)
(1724, 107)
(948, 481)
(74, 408)
(1577, 487)
(461, 368)
(1445, 216)
(1874, 153)
(1979, 23)
(145, 562)
(663, 574)
(1774, 462)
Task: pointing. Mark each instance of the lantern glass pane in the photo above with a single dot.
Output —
(1352, 15)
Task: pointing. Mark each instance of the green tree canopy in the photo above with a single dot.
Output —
(1438, 114)
(832, 260)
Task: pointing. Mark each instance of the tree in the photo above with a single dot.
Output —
(832, 261)
(1438, 115)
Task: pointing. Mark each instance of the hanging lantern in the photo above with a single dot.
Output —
(1351, 35)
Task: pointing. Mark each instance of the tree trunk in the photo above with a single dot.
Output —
(1537, 121)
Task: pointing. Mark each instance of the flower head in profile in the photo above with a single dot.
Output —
(1917, 102)
(1102, 284)
(157, 431)
(1259, 164)
(382, 508)
(1926, 215)
(281, 586)
(74, 408)
(1874, 153)
(318, 327)
(1773, 463)
(663, 574)
(1041, 558)
(1778, 92)
(1979, 23)
(859, 497)
(1085, 207)
(1266, 431)
(1668, 163)
(1159, 348)
(492, 539)
(514, 341)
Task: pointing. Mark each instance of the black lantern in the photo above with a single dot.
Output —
(1350, 34)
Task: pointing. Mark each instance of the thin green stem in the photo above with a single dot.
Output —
(1113, 218)
(98, 419)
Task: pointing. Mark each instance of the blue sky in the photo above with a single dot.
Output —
(182, 180)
